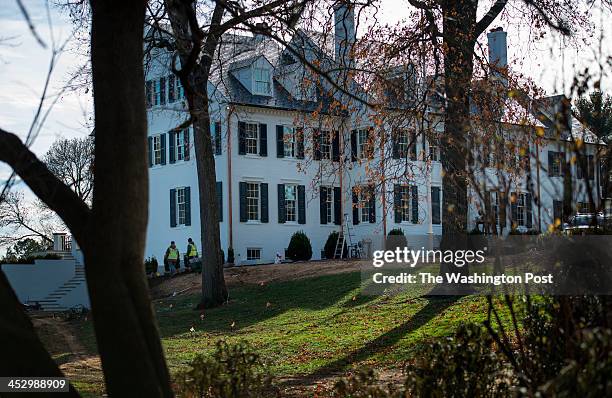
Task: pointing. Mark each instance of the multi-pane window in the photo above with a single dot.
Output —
(290, 203)
(180, 92)
(434, 150)
(555, 163)
(252, 198)
(181, 206)
(289, 142)
(328, 205)
(364, 205)
(520, 209)
(402, 142)
(179, 145)
(157, 150)
(362, 143)
(251, 138)
(157, 92)
(583, 207)
(262, 80)
(404, 196)
(253, 253)
(326, 145)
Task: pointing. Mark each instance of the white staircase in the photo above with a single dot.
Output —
(53, 301)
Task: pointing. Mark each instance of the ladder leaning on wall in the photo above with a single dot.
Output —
(342, 238)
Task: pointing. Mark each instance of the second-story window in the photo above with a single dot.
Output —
(402, 143)
(252, 138)
(179, 145)
(434, 150)
(262, 81)
(326, 145)
(157, 150)
(289, 142)
(362, 143)
(556, 162)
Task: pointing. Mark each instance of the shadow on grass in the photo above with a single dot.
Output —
(434, 306)
(252, 304)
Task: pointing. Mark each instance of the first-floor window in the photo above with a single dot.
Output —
(520, 205)
(495, 206)
(253, 253)
(290, 203)
(583, 207)
(434, 150)
(521, 209)
(364, 204)
(557, 212)
(157, 150)
(328, 205)
(404, 203)
(252, 201)
(181, 206)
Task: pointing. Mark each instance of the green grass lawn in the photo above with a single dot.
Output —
(315, 326)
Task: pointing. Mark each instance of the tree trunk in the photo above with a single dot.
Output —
(459, 20)
(126, 330)
(214, 291)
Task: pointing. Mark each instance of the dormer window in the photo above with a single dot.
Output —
(262, 81)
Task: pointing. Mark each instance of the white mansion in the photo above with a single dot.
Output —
(272, 181)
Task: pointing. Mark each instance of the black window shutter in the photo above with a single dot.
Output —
(414, 196)
(282, 212)
(529, 210)
(355, 206)
(263, 139)
(186, 144)
(395, 143)
(173, 208)
(219, 189)
(263, 188)
(514, 207)
(171, 84)
(150, 139)
(301, 191)
(162, 90)
(163, 148)
(280, 141)
(557, 211)
(300, 143)
(149, 92)
(397, 201)
(579, 171)
(435, 205)
(241, 138)
(563, 163)
(316, 144)
(413, 145)
(172, 139)
(353, 145)
(336, 146)
(323, 204)
(217, 138)
(591, 166)
(242, 188)
(187, 206)
(372, 200)
(337, 205)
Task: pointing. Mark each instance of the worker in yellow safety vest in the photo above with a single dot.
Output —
(171, 259)
(192, 253)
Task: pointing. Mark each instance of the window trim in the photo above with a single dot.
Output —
(247, 138)
(295, 203)
(156, 149)
(178, 192)
(267, 82)
(253, 249)
(289, 131)
(252, 198)
(361, 146)
(364, 206)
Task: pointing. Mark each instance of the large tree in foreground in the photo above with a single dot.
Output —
(112, 232)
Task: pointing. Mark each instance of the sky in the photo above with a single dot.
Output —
(24, 65)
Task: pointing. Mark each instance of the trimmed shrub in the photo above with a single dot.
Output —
(233, 371)
(151, 265)
(396, 238)
(330, 246)
(30, 259)
(230, 255)
(299, 248)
